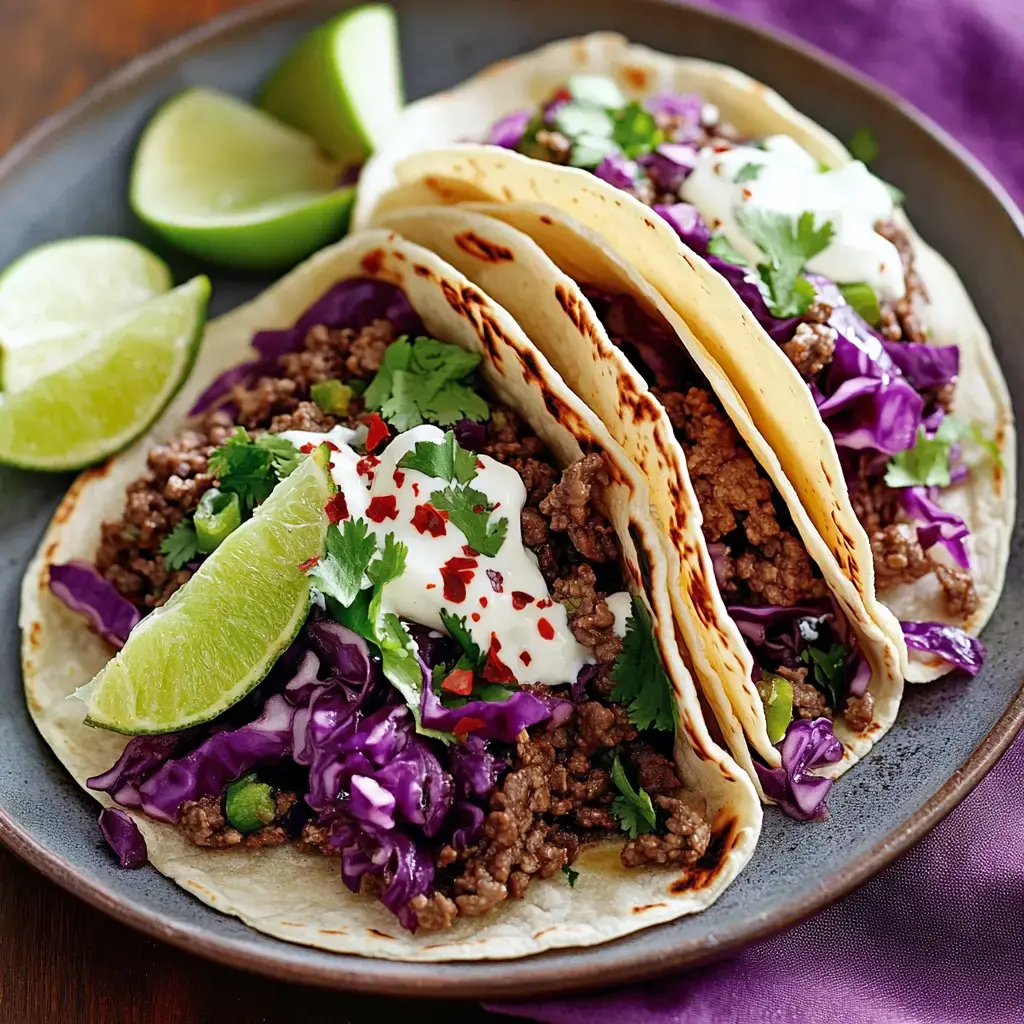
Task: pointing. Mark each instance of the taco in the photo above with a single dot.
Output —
(915, 504)
(483, 727)
(748, 567)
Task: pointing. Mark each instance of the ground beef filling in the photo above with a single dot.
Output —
(557, 794)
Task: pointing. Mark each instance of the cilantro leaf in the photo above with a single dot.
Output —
(570, 874)
(633, 808)
(988, 443)
(447, 460)
(339, 573)
(457, 630)
(642, 684)
(388, 567)
(748, 172)
(356, 616)
(927, 463)
(788, 244)
(862, 297)
(721, 247)
(863, 145)
(180, 546)
(469, 510)
(829, 671)
(284, 456)
(635, 131)
(426, 380)
(402, 668)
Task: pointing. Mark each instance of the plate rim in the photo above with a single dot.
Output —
(429, 980)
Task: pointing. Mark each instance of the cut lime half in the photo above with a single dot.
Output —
(227, 182)
(221, 633)
(116, 386)
(342, 83)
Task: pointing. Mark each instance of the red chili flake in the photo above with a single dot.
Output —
(377, 433)
(366, 465)
(495, 670)
(415, 489)
(546, 630)
(308, 563)
(496, 506)
(545, 602)
(477, 509)
(307, 448)
(460, 681)
(479, 464)
(330, 465)
(483, 602)
(525, 658)
(464, 726)
(430, 586)
(337, 508)
(475, 616)
(455, 574)
(399, 477)
(428, 519)
(470, 552)
(497, 581)
(332, 446)
(520, 599)
(384, 506)
(747, 193)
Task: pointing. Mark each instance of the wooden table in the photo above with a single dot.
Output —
(62, 962)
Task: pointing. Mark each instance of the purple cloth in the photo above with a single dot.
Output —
(938, 937)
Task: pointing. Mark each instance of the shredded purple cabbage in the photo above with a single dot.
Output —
(953, 645)
(471, 435)
(688, 224)
(352, 304)
(925, 366)
(618, 171)
(509, 131)
(123, 837)
(669, 165)
(806, 746)
(937, 525)
(84, 590)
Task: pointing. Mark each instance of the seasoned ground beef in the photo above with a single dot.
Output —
(958, 590)
(734, 494)
(859, 712)
(811, 348)
(685, 842)
(204, 824)
(902, 319)
(570, 509)
(898, 556)
(510, 440)
(808, 701)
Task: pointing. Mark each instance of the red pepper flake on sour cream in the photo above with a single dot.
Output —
(428, 519)
(495, 670)
(546, 630)
(384, 506)
(337, 508)
(456, 573)
(377, 433)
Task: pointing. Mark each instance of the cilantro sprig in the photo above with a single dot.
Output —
(426, 381)
(829, 671)
(788, 244)
(252, 469)
(721, 247)
(469, 510)
(642, 684)
(472, 657)
(339, 573)
(927, 463)
(632, 807)
(180, 546)
(748, 172)
(446, 460)
(570, 874)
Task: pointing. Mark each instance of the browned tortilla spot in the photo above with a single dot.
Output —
(421, 271)
(380, 935)
(635, 76)
(648, 906)
(545, 219)
(34, 632)
(373, 262)
(470, 242)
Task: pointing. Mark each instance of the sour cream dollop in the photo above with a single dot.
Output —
(790, 182)
(503, 596)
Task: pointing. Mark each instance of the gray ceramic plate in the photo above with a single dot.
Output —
(70, 178)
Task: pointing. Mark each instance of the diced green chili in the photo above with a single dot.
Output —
(249, 804)
(777, 694)
(862, 297)
(218, 514)
(332, 396)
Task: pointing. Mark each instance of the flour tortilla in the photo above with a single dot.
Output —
(532, 259)
(777, 399)
(301, 898)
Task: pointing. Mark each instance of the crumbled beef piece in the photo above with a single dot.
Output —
(203, 823)
(434, 913)
(269, 397)
(734, 493)
(596, 818)
(270, 835)
(875, 504)
(367, 348)
(898, 556)
(943, 396)
(686, 842)
(654, 772)
(679, 128)
(322, 357)
(811, 348)
(569, 504)
(902, 319)
(600, 725)
(306, 416)
(958, 590)
(808, 700)
(509, 441)
(590, 618)
(859, 712)
(534, 526)
(314, 839)
(552, 146)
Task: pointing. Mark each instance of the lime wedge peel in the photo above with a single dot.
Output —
(342, 83)
(227, 182)
(100, 401)
(73, 286)
(219, 635)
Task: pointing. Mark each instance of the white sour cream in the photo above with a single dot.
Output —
(621, 606)
(789, 182)
(512, 604)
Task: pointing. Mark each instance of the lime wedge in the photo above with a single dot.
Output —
(342, 84)
(73, 286)
(227, 182)
(120, 380)
(219, 635)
